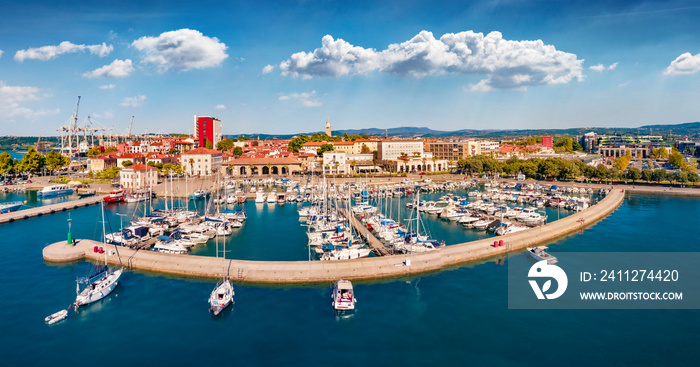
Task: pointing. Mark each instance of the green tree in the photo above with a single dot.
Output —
(127, 163)
(6, 163)
(633, 174)
(33, 161)
(256, 142)
(602, 172)
(693, 177)
(570, 171)
(172, 151)
(94, 152)
(224, 145)
(646, 175)
(658, 175)
(56, 160)
(238, 151)
(365, 149)
(676, 159)
(110, 149)
(324, 148)
(208, 144)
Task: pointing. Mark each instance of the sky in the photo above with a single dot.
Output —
(283, 67)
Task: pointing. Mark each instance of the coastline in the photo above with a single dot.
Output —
(304, 272)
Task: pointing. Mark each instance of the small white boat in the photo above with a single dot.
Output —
(259, 197)
(343, 296)
(56, 317)
(221, 297)
(539, 253)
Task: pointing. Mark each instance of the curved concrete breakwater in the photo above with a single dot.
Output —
(324, 271)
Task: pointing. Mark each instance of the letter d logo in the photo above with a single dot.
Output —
(543, 270)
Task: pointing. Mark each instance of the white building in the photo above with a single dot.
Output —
(201, 162)
(489, 147)
(388, 150)
(335, 163)
(138, 176)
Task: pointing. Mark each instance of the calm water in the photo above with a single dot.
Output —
(455, 317)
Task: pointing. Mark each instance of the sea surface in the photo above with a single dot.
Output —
(453, 317)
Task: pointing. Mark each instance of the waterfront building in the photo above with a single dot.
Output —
(101, 163)
(390, 150)
(138, 176)
(256, 166)
(454, 150)
(201, 161)
(362, 163)
(207, 129)
(335, 163)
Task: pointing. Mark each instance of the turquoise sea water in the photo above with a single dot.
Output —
(454, 317)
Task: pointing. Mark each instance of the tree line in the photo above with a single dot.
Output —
(32, 161)
(562, 169)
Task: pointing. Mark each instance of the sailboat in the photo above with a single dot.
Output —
(100, 283)
(222, 295)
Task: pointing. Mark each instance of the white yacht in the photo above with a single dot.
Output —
(221, 296)
(343, 296)
(100, 283)
(259, 197)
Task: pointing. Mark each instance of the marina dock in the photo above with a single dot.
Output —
(49, 209)
(301, 272)
(376, 245)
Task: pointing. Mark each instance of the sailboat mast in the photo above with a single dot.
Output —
(104, 236)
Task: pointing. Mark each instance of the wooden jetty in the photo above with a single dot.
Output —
(376, 245)
(38, 211)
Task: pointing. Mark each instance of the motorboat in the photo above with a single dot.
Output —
(54, 190)
(260, 197)
(10, 207)
(343, 296)
(539, 253)
(115, 196)
(221, 297)
(199, 194)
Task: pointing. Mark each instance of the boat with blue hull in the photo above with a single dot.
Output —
(10, 207)
(55, 190)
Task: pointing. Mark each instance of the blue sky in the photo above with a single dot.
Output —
(282, 67)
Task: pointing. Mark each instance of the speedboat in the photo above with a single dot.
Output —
(221, 297)
(10, 207)
(539, 253)
(343, 296)
(116, 196)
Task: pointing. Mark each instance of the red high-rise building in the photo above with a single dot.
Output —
(547, 141)
(207, 128)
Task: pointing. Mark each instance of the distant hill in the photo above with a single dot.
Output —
(690, 129)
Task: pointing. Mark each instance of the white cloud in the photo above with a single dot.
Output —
(12, 96)
(600, 67)
(117, 69)
(307, 99)
(220, 107)
(107, 86)
(181, 50)
(0, 53)
(504, 63)
(684, 64)
(267, 69)
(46, 53)
(135, 101)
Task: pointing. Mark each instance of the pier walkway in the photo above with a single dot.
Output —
(301, 272)
(376, 245)
(38, 211)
